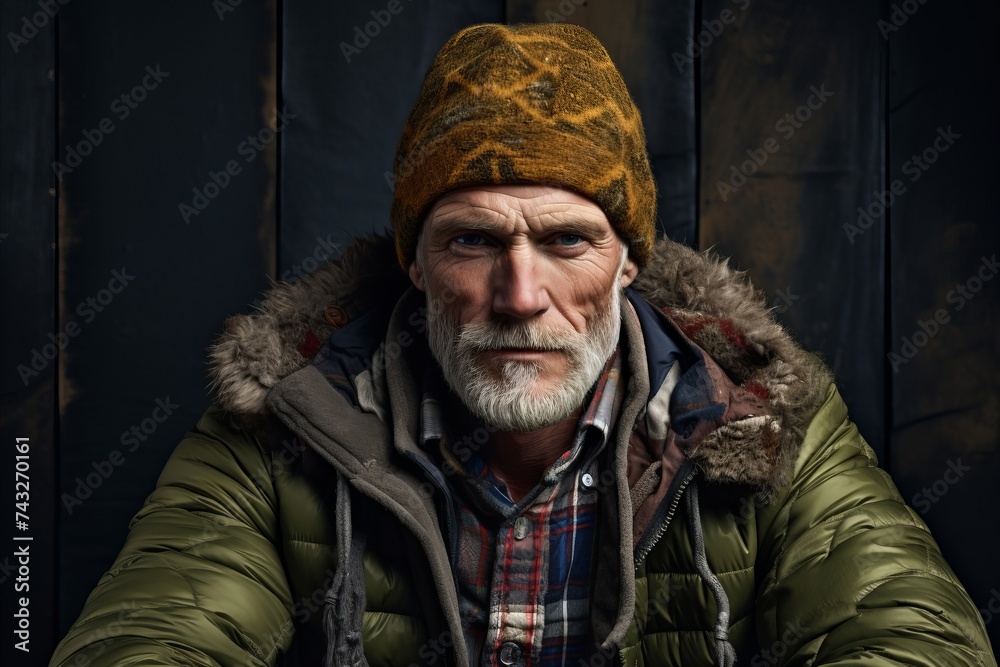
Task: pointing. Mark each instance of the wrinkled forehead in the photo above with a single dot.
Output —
(502, 207)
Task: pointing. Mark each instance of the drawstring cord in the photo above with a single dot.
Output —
(725, 655)
(345, 601)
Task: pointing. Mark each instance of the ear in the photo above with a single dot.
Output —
(417, 275)
(629, 271)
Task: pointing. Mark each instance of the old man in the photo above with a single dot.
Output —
(523, 432)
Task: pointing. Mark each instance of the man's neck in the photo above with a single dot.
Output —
(520, 459)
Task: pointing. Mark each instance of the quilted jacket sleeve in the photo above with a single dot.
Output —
(853, 575)
(200, 580)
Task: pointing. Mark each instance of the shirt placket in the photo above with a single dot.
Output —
(522, 562)
(517, 611)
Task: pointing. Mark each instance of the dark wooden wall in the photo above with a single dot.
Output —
(714, 80)
(943, 402)
(109, 258)
(28, 292)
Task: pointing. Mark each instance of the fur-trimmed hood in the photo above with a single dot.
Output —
(713, 305)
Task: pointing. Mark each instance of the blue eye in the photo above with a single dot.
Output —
(470, 239)
(569, 239)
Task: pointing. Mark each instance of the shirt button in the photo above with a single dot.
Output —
(520, 532)
(510, 653)
(587, 480)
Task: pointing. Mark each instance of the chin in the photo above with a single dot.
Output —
(521, 423)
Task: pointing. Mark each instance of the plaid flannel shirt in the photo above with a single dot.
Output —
(523, 569)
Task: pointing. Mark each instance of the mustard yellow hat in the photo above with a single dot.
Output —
(531, 103)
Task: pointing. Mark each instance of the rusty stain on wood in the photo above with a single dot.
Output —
(268, 230)
(67, 239)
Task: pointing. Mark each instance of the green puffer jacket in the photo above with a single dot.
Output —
(768, 528)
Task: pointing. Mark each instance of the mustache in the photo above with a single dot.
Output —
(490, 336)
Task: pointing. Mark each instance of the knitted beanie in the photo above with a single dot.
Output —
(531, 103)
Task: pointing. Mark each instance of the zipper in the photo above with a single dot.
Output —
(671, 511)
(675, 501)
(434, 475)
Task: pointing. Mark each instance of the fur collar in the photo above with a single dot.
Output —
(715, 306)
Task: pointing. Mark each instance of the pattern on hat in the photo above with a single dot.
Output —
(532, 103)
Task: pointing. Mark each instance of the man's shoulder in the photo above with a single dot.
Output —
(726, 318)
(293, 320)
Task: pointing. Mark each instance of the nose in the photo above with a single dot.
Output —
(518, 286)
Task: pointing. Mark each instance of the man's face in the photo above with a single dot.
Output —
(523, 285)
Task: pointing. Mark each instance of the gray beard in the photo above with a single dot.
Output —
(508, 398)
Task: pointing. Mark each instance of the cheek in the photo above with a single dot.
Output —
(584, 294)
(460, 296)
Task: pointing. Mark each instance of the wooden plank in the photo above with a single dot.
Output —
(649, 43)
(352, 73)
(27, 301)
(791, 137)
(944, 348)
(173, 106)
